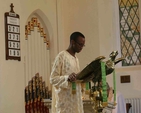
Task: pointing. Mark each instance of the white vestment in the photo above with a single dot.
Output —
(120, 103)
(63, 101)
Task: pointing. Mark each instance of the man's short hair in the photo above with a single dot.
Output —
(75, 35)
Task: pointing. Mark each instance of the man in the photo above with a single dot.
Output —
(63, 77)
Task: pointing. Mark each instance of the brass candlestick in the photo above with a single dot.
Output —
(96, 98)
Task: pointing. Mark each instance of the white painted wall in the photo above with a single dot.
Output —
(129, 90)
(11, 71)
(82, 16)
(94, 18)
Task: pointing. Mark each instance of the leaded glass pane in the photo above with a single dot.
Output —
(130, 32)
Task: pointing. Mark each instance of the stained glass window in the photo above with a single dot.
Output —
(130, 32)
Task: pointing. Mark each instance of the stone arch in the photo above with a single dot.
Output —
(37, 56)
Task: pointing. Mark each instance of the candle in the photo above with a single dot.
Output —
(87, 87)
(114, 84)
(104, 85)
(73, 87)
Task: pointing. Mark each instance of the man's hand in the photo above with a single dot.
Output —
(72, 77)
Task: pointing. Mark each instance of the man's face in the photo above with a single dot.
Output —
(79, 44)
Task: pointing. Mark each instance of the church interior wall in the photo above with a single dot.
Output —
(101, 29)
(109, 41)
(94, 19)
(12, 80)
(84, 19)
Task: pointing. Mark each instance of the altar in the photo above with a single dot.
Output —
(87, 105)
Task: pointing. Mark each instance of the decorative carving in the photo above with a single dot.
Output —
(30, 27)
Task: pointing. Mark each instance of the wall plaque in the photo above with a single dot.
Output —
(12, 35)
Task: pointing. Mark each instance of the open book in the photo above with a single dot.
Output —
(91, 70)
